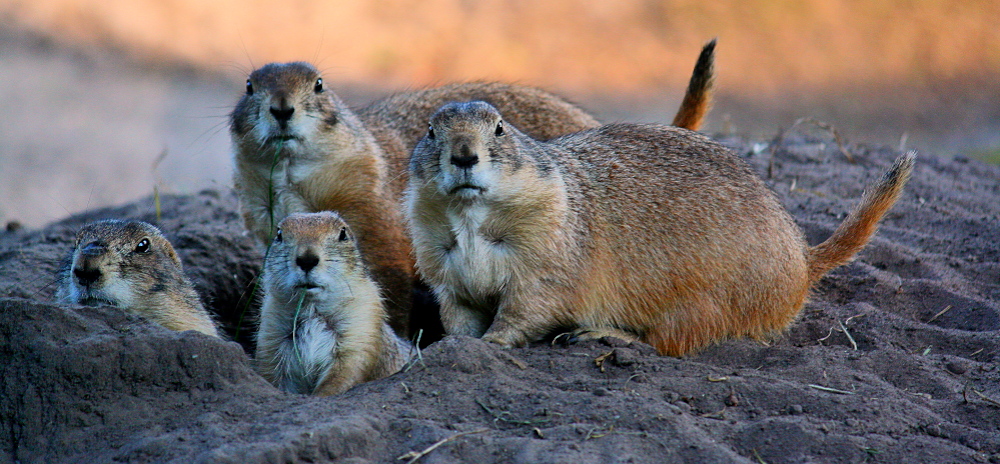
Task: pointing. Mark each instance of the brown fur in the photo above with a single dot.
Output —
(648, 229)
(322, 323)
(130, 264)
(330, 157)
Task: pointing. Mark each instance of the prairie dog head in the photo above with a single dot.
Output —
(314, 253)
(467, 150)
(285, 108)
(121, 263)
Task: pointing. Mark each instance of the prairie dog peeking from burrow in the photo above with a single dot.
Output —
(322, 323)
(131, 265)
(639, 231)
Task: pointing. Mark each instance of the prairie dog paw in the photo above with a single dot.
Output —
(497, 340)
(593, 333)
(506, 339)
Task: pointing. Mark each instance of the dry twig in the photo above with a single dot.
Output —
(933, 318)
(414, 455)
(986, 398)
(599, 361)
(854, 344)
(831, 390)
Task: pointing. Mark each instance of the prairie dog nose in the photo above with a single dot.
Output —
(465, 157)
(307, 260)
(282, 115)
(282, 112)
(87, 274)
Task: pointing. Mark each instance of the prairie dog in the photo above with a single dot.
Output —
(299, 148)
(634, 229)
(322, 323)
(131, 265)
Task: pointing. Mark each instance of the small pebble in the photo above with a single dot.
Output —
(795, 409)
(957, 367)
(614, 342)
(600, 391)
(624, 357)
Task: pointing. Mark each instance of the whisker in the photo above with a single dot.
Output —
(205, 135)
(393, 178)
(237, 66)
(319, 47)
(58, 280)
(245, 51)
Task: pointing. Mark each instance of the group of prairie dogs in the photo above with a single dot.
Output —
(524, 215)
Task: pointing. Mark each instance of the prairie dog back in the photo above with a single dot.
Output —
(322, 324)
(644, 231)
(131, 265)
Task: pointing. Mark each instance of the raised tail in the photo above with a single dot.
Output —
(852, 234)
(698, 98)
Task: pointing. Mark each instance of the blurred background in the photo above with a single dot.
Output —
(105, 100)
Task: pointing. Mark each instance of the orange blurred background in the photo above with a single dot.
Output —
(106, 99)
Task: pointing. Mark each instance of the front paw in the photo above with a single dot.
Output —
(505, 340)
(594, 333)
(497, 340)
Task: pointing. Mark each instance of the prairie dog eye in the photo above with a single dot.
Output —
(142, 246)
(430, 132)
(277, 236)
(343, 234)
(249, 87)
(319, 85)
(499, 131)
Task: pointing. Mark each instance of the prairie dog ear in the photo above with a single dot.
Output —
(170, 252)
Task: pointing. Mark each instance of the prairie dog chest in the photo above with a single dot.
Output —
(286, 185)
(307, 354)
(479, 260)
(290, 165)
(300, 170)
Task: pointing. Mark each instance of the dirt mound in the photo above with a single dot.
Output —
(895, 359)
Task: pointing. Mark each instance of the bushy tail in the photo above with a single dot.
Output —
(858, 227)
(698, 98)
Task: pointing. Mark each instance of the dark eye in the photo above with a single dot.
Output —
(343, 234)
(142, 246)
(319, 85)
(249, 87)
(277, 236)
(499, 131)
(430, 132)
